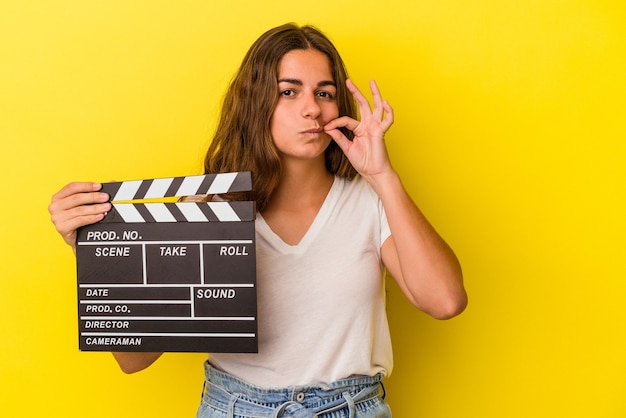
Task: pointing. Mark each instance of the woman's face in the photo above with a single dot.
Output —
(306, 102)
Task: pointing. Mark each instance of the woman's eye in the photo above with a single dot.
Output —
(287, 93)
(325, 95)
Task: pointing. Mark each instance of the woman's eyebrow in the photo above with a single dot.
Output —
(297, 82)
(291, 81)
(326, 83)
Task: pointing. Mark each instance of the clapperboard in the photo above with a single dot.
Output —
(177, 276)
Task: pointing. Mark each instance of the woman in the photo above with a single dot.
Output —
(331, 213)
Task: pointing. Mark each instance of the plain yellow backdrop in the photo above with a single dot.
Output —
(510, 136)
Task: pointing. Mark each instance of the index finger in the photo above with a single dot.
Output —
(378, 100)
(361, 101)
(74, 188)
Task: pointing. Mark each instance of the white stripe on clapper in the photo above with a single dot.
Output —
(128, 212)
(224, 212)
(222, 183)
(158, 188)
(127, 190)
(190, 186)
(191, 212)
(160, 213)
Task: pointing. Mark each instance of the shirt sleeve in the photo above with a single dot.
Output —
(385, 232)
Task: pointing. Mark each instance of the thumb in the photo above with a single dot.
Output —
(341, 140)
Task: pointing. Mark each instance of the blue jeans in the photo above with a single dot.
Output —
(225, 396)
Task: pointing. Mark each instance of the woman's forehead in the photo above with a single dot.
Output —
(308, 63)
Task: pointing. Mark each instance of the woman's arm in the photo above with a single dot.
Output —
(424, 266)
(80, 204)
(131, 362)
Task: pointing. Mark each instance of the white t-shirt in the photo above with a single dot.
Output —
(321, 303)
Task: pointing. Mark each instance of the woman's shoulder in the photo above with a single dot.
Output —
(356, 188)
(357, 184)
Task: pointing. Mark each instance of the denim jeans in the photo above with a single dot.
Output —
(225, 396)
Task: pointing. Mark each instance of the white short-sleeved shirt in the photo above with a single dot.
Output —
(321, 303)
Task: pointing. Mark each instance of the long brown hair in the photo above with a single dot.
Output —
(243, 140)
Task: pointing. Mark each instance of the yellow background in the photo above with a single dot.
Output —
(510, 135)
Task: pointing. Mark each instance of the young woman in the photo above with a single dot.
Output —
(331, 213)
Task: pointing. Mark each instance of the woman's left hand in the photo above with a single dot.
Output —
(366, 152)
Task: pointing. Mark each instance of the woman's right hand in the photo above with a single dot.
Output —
(76, 205)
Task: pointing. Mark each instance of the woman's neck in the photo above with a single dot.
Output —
(297, 200)
(302, 185)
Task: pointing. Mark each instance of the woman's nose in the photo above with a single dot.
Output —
(310, 107)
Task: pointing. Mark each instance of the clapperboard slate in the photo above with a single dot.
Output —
(175, 277)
